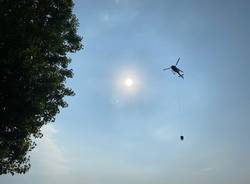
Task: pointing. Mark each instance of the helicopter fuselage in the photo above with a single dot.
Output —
(175, 69)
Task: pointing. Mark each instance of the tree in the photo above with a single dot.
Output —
(35, 38)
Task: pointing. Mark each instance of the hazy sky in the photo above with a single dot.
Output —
(113, 134)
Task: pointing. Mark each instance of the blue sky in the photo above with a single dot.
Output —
(113, 134)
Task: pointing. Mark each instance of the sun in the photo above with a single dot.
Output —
(129, 82)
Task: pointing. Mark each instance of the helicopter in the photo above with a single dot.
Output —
(175, 69)
(182, 137)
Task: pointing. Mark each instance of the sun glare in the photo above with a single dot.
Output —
(129, 82)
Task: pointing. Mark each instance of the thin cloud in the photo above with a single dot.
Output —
(105, 17)
(48, 157)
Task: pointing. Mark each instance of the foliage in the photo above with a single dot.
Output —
(35, 38)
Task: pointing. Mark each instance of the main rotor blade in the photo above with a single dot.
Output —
(166, 68)
(177, 61)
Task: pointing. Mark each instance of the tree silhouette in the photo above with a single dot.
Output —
(35, 37)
